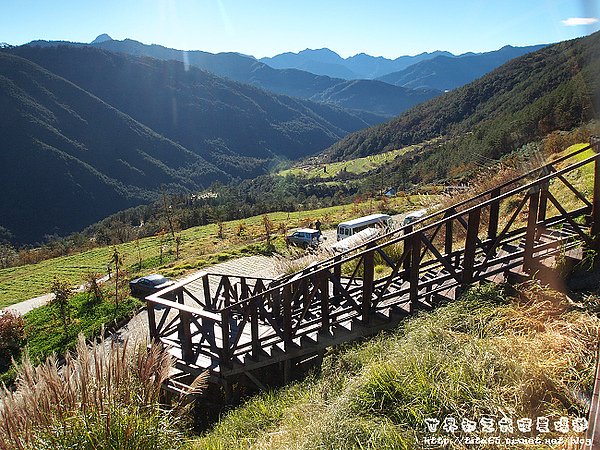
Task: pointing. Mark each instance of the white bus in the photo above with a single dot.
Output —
(351, 227)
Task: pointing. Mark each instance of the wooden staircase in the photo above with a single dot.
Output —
(234, 327)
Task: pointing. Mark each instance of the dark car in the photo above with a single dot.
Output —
(305, 237)
(143, 286)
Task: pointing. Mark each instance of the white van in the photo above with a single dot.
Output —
(414, 216)
(351, 227)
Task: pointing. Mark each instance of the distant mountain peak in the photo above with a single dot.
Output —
(102, 38)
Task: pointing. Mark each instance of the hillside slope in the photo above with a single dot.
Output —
(525, 99)
(68, 158)
(238, 127)
(475, 357)
(378, 98)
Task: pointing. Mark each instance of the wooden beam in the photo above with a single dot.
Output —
(323, 283)
(208, 301)
(151, 320)
(595, 229)
(185, 337)
(254, 329)
(368, 277)
(530, 234)
(287, 315)
(470, 247)
(413, 278)
(494, 213)
(225, 351)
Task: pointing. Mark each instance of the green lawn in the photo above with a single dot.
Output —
(353, 166)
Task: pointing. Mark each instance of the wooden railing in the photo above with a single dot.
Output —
(516, 224)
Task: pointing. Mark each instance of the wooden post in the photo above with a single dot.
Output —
(494, 213)
(226, 290)
(185, 336)
(225, 352)
(470, 247)
(406, 242)
(254, 327)
(287, 371)
(179, 296)
(337, 274)
(323, 284)
(287, 316)
(276, 302)
(448, 238)
(595, 229)
(368, 277)
(208, 301)
(244, 291)
(415, 260)
(152, 320)
(530, 234)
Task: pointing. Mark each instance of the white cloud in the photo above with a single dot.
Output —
(575, 21)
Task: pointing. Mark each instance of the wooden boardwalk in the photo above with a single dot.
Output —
(235, 326)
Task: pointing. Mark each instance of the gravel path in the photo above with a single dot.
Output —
(25, 306)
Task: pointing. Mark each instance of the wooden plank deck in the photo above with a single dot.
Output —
(233, 325)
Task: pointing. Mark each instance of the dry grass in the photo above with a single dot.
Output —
(104, 396)
(483, 355)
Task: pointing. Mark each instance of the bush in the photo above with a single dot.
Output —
(104, 397)
(12, 338)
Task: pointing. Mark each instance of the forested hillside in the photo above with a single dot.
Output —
(69, 159)
(95, 132)
(524, 100)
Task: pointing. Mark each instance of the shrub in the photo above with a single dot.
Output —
(12, 338)
(104, 397)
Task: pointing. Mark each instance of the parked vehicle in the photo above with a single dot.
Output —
(351, 227)
(144, 286)
(305, 237)
(414, 216)
(356, 239)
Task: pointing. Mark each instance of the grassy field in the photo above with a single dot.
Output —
(200, 247)
(353, 166)
(485, 355)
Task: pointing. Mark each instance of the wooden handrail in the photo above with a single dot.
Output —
(154, 300)
(453, 207)
(343, 257)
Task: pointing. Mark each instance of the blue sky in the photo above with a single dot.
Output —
(389, 28)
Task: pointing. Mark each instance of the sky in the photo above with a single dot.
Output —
(388, 28)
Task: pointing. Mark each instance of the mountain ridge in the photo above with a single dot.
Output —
(292, 82)
(359, 66)
(446, 73)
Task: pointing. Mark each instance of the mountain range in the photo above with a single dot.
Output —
(87, 132)
(431, 70)
(374, 97)
(446, 72)
(361, 66)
